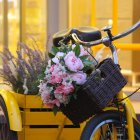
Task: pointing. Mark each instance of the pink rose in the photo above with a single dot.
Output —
(79, 77)
(51, 103)
(72, 62)
(55, 79)
(64, 89)
(46, 98)
(57, 73)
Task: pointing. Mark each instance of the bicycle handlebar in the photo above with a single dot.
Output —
(106, 39)
(133, 28)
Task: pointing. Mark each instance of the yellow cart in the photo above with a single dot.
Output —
(23, 117)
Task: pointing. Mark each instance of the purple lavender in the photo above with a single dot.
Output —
(29, 64)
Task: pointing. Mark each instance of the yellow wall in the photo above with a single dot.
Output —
(35, 22)
(80, 13)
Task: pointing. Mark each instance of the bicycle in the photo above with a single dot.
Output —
(117, 121)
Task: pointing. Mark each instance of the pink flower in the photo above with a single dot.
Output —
(83, 51)
(46, 98)
(64, 89)
(52, 68)
(55, 79)
(72, 62)
(62, 98)
(56, 74)
(51, 103)
(79, 77)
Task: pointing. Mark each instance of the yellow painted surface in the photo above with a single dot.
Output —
(28, 101)
(39, 118)
(31, 118)
(13, 110)
(51, 134)
(81, 13)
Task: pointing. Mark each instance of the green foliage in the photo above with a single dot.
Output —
(77, 50)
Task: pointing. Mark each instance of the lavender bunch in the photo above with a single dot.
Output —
(24, 71)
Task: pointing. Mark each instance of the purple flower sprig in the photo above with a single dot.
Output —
(29, 63)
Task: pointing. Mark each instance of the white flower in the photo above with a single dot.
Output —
(55, 60)
(49, 63)
(59, 54)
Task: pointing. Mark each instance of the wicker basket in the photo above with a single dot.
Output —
(95, 94)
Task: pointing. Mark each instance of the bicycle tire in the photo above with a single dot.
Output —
(5, 132)
(106, 119)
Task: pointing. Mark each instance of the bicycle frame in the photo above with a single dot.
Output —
(130, 113)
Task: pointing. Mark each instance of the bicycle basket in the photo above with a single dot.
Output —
(95, 94)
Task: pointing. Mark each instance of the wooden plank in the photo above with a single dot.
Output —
(33, 101)
(70, 134)
(21, 135)
(51, 134)
(44, 118)
(20, 99)
(40, 134)
(28, 101)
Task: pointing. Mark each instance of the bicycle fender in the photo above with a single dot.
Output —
(13, 111)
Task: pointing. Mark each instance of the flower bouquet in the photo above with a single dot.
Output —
(68, 69)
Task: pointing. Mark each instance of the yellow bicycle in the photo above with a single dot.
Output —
(118, 120)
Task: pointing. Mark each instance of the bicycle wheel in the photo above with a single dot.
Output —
(107, 126)
(5, 132)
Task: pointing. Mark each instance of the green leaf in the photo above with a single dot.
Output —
(84, 57)
(55, 110)
(55, 50)
(77, 50)
(51, 55)
(88, 62)
(75, 96)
